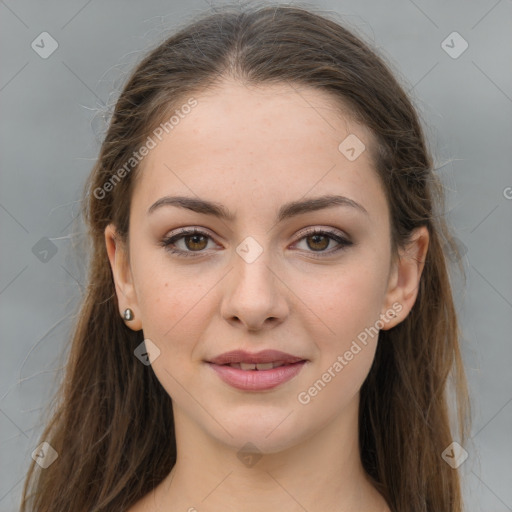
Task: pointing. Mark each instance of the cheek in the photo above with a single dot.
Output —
(345, 350)
(165, 290)
(338, 382)
(175, 311)
(343, 301)
(348, 303)
(173, 305)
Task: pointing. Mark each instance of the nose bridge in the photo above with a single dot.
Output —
(252, 263)
(254, 294)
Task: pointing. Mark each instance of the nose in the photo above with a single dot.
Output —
(255, 296)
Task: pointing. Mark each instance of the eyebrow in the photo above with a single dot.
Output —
(286, 211)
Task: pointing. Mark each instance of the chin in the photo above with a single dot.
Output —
(268, 434)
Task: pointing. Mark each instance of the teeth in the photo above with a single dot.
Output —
(256, 366)
(265, 366)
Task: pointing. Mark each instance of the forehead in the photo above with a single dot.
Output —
(269, 142)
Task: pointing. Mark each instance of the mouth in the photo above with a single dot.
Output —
(257, 361)
(259, 366)
(256, 372)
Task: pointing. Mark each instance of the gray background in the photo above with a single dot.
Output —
(52, 123)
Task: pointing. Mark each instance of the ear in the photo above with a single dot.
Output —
(119, 262)
(405, 277)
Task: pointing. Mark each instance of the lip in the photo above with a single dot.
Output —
(264, 356)
(256, 380)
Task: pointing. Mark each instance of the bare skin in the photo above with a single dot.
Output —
(253, 150)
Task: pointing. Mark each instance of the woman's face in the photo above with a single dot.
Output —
(257, 279)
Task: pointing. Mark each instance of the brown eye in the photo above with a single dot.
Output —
(318, 242)
(194, 243)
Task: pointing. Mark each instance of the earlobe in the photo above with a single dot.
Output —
(121, 271)
(404, 281)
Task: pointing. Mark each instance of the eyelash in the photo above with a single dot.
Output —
(168, 242)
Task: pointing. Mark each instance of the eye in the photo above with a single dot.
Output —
(196, 241)
(319, 240)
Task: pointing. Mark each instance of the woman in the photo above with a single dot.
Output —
(269, 322)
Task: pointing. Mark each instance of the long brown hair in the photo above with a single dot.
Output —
(113, 423)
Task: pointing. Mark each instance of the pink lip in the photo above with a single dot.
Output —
(257, 380)
(264, 356)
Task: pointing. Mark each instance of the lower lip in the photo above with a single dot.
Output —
(257, 380)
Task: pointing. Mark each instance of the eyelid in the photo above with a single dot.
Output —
(334, 234)
(343, 240)
(324, 230)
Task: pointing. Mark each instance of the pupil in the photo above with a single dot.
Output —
(194, 239)
(316, 237)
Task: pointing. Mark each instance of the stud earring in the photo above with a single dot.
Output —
(128, 314)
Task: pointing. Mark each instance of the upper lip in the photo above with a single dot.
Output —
(264, 356)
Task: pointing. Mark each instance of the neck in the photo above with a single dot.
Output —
(321, 472)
